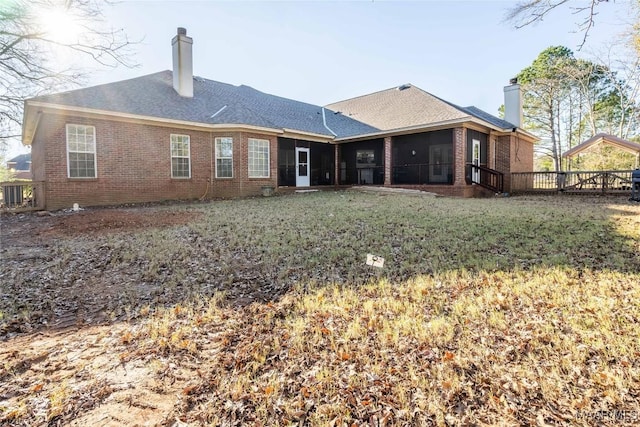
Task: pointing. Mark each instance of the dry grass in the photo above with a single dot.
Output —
(518, 311)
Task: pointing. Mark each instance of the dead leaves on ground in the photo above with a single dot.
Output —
(511, 332)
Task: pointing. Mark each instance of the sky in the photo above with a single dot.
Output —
(326, 51)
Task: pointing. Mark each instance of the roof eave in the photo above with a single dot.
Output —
(401, 131)
(90, 112)
(30, 123)
(461, 121)
(308, 136)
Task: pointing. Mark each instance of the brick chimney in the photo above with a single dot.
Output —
(182, 63)
(513, 103)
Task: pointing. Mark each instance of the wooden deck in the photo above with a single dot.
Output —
(589, 182)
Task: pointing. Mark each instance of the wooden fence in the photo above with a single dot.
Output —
(19, 196)
(607, 182)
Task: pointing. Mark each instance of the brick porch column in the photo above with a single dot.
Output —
(459, 155)
(387, 160)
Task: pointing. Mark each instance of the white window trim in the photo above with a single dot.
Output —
(268, 175)
(95, 156)
(215, 149)
(180, 157)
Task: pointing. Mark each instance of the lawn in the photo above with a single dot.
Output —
(509, 311)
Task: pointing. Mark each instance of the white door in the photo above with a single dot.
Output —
(475, 159)
(302, 167)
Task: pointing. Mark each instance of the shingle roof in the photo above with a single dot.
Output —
(409, 106)
(153, 96)
(221, 103)
(483, 115)
(22, 162)
(398, 107)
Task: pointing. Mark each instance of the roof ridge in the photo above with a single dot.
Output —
(373, 93)
(449, 103)
(282, 97)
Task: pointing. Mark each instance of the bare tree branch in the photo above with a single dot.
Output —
(534, 11)
(30, 50)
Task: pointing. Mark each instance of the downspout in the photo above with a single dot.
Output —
(324, 122)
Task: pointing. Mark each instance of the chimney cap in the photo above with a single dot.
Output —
(513, 81)
(182, 31)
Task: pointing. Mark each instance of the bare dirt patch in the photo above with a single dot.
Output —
(65, 359)
(58, 269)
(21, 229)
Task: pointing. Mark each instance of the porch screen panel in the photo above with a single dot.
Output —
(286, 162)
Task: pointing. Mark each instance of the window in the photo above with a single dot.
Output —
(365, 156)
(180, 156)
(224, 157)
(81, 151)
(258, 158)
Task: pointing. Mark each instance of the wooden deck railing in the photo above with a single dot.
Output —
(17, 196)
(572, 182)
(486, 177)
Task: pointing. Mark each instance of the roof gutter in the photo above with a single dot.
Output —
(324, 122)
(404, 130)
(309, 136)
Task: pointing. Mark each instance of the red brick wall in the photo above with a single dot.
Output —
(134, 164)
(513, 154)
(388, 164)
(503, 159)
(459, 155)
(521, 155)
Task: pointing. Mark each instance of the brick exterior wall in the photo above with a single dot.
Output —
(521, 155)
(134, 164)
(459, 156)
(513, 154)
(503, 159)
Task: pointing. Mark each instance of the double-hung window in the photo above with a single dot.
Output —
(180, 156)
(224, 157)
(81, 151)
(258, 158)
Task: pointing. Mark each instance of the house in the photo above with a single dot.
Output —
(20, 167)
(172, 135)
